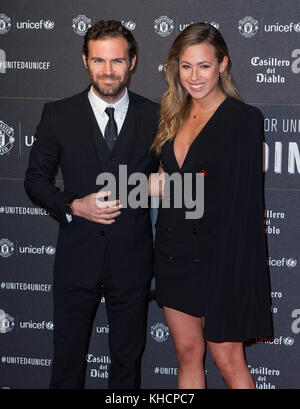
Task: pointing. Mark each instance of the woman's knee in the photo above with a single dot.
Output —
(189, 353)
(229, 359)
(187, 334)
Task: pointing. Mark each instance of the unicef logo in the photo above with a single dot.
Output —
(81, 24)
(49, 325)
(7, 322)
(50, 250)
(6, 248)
(5, 24)
(48, 24)
(159, 332)
(297, 27)
(130, 25)
(288, 341)
(291, 262)
(6, 138)
(248, 27)
(163, 26)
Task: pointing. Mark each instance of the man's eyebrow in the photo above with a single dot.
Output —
(100, 58)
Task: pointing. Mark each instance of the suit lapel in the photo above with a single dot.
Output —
(127, 134)
(94, 131)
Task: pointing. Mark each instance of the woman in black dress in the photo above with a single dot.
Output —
(211, 272)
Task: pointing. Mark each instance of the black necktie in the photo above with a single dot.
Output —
(111, 129)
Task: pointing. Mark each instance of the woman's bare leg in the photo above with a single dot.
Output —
(187, 334)
(230, 360)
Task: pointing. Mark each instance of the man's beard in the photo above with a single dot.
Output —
(110, 92)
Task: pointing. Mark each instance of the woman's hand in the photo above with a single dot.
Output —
(156, 183)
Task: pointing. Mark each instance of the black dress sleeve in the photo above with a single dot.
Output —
(240, 306)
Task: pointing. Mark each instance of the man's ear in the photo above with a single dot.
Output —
(133, 62)
(84, 60)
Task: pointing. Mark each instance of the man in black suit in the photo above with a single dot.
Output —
(100, 244)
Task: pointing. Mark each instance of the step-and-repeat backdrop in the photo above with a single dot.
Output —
(40, 61)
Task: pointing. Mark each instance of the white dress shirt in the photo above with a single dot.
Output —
(99, 106)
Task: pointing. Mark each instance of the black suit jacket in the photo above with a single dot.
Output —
(69, 136)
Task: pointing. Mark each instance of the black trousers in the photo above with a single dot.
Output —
(74, 312)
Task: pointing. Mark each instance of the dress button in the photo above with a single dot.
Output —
(169, 229)
(171, 258)
(102, 233)
(195, 230)
(196, 260)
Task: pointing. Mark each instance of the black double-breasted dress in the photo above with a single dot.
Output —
(216, 266)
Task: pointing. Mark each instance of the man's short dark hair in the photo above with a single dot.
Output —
(106, 29)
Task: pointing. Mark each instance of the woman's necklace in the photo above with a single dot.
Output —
(206, 113)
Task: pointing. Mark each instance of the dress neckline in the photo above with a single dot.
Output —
(202, 130)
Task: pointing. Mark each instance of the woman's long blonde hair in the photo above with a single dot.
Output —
(176, 101)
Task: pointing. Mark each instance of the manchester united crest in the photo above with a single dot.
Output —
(248, 27)
(5, 24)
(6, 138)
(163, 26)
(81, 24)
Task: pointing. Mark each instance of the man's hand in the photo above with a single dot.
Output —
(92, 208)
